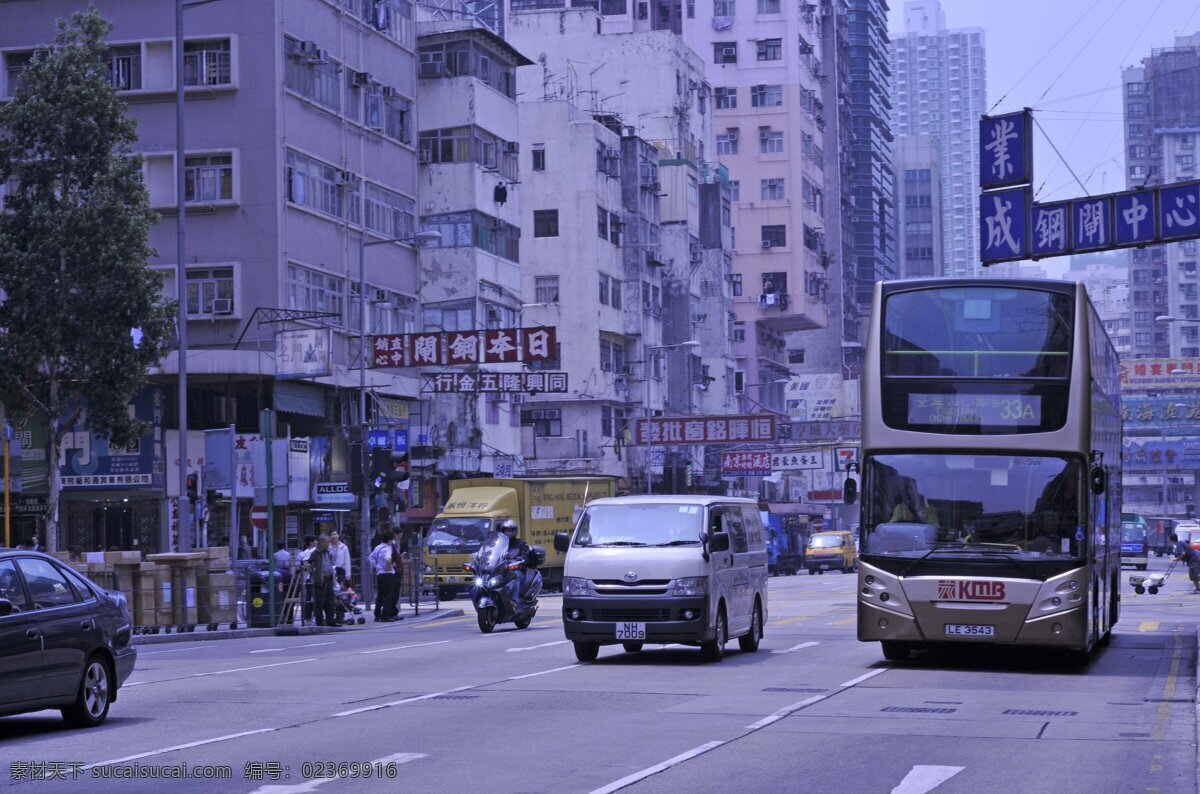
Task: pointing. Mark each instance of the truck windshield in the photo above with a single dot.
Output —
(640, 525)
(824, 541)
(458, 535)
(973, 505)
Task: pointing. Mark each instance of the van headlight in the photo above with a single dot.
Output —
(691, 586)
(574, 586)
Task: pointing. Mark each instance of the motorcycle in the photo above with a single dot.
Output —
(494, 592)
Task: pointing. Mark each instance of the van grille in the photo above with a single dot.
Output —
(637, 615)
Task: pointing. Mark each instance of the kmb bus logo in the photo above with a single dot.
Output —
(970, 591)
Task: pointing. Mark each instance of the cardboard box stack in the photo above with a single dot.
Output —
(175, 587)
(215, 599)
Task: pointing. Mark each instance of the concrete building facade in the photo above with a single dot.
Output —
(919, 201)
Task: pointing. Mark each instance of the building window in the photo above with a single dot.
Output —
(614, 228)
(470, 145)
(208, 178)
(314, 184)
(739, 332)
(725, 52)
(15, 64)
(545, 223)
(309, 72)
(546, 422)
(605, 286)
(612, 355)
(727, 142)
(545, 289)
(388, 212)
(768, 6)
(735, 190)
(770, 141)
(774, 236)
(208, 62)
(602, 223)
(312, 290)
(474, 228)
(693, 190)
(210, 291)
(538, 153)
(770, 49)
(725, 98)
(125, 67)
(772, 189)
(724, 8)
(468, 59)
(763, 96)
(1135, 89)
(735, 284)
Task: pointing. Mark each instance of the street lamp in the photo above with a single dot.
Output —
(775, 382)
(690, 344)
(419, 239)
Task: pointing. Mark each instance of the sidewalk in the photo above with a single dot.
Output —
(201, 633)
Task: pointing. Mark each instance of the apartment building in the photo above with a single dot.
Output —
(919, 206)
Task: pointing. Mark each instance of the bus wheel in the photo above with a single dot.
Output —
(894, 650)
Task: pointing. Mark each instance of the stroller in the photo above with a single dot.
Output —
(346, 606)
(1151, 581)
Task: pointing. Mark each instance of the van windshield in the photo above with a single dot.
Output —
(824, 541)
(640, 525)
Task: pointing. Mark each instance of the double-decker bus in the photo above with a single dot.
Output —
(991, 467)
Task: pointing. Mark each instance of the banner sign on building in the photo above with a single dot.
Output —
(797, 461)
(304, 353)
(1004, 225)
(90, 461)
(495, 382)
(755, 463)
(1006, 150)
(825, 431)
(444, 348)
(1137, 410)
(1146, 372)
(705, 429)
(333, 493)
(394, 438)
(1158, 453)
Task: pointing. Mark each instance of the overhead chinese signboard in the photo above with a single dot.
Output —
(825, 431)
(1166, 412)
(797, 461)
(705, 429)
(495, 382)
(756, 463)
(1154, 372)
(1158, 453)
(1012, 226)
(444, 348)
(304, 353)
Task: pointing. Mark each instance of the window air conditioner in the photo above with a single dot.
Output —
(423, 156)
(362, 78)
(766, 243)
(387, 91)
(222, 306)
(379, 296)
(343, 178)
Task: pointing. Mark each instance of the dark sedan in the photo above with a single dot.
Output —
(65, 642)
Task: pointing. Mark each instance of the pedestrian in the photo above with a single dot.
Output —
(244, 550)
(399, 558)
(37, 546)
(310, 545)
(341, 555)
(283, 558)
(381, 563)
(320, 571)
(1183, 551)
(28, 545)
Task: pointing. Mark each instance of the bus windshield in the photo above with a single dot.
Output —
(1026, 506)
(1133, 533)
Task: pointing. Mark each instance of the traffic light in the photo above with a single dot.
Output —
(193, 487)
(388, 469)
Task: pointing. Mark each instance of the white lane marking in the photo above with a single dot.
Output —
(861, 678)
(311, 785)
(797, 647)
(926, 778)
(291, 647)
(654, 770)
(389, 704)
(257, 667)
(405, 647)
(269, 650)
(535, 647)
(786, 710)
(179, 747)
(176, 650)
(544, 672)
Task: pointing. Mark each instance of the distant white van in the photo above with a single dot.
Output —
(665, 569)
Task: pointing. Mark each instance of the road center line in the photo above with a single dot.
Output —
(389, 704)
(179, 747)
(269, 650)
(786, 710)
(535, 647)
(244, 669)
(544, 672)
(654, 770)
(406, 647)
(797, 647)
(861, 678)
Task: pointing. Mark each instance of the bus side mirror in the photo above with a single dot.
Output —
(850, 492)
(1098, 481)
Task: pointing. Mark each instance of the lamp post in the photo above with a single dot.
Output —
(775, 382)
(689, 344)
(419, 239)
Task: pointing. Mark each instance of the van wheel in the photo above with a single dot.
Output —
(714, 650)
(587, 651)
(94, 697)
(631, 647)
(748, 642)
(894, 650)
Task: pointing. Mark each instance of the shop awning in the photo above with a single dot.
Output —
(299, 398)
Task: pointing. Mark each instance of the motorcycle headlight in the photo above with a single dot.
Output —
(428, 569)
(574, 586)
(691, 586)
(494, 581)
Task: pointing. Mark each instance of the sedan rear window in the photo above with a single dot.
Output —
(46, 583)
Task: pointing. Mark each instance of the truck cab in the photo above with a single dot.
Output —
(458, 531)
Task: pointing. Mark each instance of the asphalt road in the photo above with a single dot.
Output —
(442, 707)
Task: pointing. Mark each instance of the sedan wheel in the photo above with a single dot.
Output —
(91, 705)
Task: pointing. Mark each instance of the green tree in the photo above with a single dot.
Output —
(81, 316)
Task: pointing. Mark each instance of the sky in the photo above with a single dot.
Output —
(1063, 58)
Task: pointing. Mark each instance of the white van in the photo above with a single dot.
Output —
(665, 569)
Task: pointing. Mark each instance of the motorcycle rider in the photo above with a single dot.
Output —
(520, 550)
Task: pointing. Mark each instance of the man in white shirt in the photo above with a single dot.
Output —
(382, 563)
(310, 545)
(341, 554)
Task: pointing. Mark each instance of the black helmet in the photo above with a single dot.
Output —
(508, 526)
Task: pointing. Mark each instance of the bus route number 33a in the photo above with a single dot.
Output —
(969, 630)
(631, 631)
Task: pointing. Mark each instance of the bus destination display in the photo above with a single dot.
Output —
(1004, 410)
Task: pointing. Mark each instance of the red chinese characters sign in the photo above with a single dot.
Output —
(705, 430)
(1160, 372)
(444, 348)
(754, 463)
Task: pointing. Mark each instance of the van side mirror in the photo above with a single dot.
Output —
(850, 492)
(1098, 480)
(719, 542)
(562, 541)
